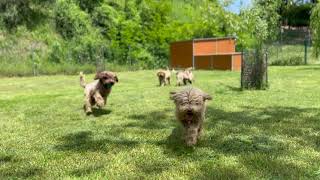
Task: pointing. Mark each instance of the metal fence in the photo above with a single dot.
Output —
(293, 47)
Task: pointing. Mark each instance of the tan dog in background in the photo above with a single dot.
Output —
(184, 77)
(190, 111)
(96, 92)
(164, 76)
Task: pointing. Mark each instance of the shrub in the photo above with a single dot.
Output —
(56, 53)
(88, 49)
(107, 18)
(70, 20)
(289, 61)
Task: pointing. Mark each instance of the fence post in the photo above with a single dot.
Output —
(266, 61)
(242, 66)
(305, 51)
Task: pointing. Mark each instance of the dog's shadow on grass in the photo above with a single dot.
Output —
(96, 112)
(84, 141)
(174, 144)
(150, 120)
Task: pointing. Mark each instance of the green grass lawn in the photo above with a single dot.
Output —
(44, 133)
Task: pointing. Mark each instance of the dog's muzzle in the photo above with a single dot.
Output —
(189, 116)
(108, 85)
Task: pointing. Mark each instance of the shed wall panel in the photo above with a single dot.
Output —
(223, 62)
(226, 46)
(205, 48)
(181, 54)
(237, 62)
(203, 62)
(214, 47)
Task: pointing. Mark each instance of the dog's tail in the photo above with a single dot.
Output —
(82, 81)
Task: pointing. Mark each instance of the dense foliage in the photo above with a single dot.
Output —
(131, 32)
(296, 13)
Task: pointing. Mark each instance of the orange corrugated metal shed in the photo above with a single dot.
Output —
(210, 53)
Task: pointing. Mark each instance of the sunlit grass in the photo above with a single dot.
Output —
(248, 134)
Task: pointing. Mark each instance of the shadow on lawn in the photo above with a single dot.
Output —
(18, 173)
(96, 112)
(86, 171)
(151, 120)
(258, 129)
(261, 138)
(84, 141)
(310, 68)
(258, 137)
(15, 168)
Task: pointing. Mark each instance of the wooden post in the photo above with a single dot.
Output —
(193, 67)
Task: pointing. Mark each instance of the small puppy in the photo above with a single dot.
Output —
(184, 77)
(96, 92)
(164, 77)
(190, 111)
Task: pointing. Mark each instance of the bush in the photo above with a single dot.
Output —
(88, 49)
(107, 19)
(70, 20)
(289, 61)
(56, 53)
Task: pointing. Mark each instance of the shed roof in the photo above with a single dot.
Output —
(205, 39)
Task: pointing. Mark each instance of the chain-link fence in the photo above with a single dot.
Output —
(293, 47)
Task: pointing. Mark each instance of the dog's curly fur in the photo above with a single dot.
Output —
(96, 92)
(190, 111)
(184, 77)
(164, 76)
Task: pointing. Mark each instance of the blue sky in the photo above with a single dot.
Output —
(237, 4)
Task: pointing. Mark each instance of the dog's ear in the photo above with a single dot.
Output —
(98, 75)
(206, 96)
(173, 95)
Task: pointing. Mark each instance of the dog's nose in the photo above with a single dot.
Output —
(189, 111)
(112, 83)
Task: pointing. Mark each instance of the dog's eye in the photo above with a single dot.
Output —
(184, 103)
(197, 103)
(105, 78)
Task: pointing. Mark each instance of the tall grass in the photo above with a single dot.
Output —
(26, 55)
(47, 68)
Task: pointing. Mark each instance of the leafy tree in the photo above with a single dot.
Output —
(254, 29)
(108, 19)
(23, 12)
(70, 20)
(315, 26)
(88, 5)
(269, 11)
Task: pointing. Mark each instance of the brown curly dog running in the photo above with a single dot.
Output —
(96, 92)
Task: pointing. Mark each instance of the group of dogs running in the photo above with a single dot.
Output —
(183, 76)
(190, 102)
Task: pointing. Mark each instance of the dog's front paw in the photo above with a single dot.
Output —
(87, 110)
(191, 141)
(100, 104)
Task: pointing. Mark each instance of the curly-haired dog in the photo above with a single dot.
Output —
(190, 111)
(96, 92)
(184, 77)
(164, 77)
